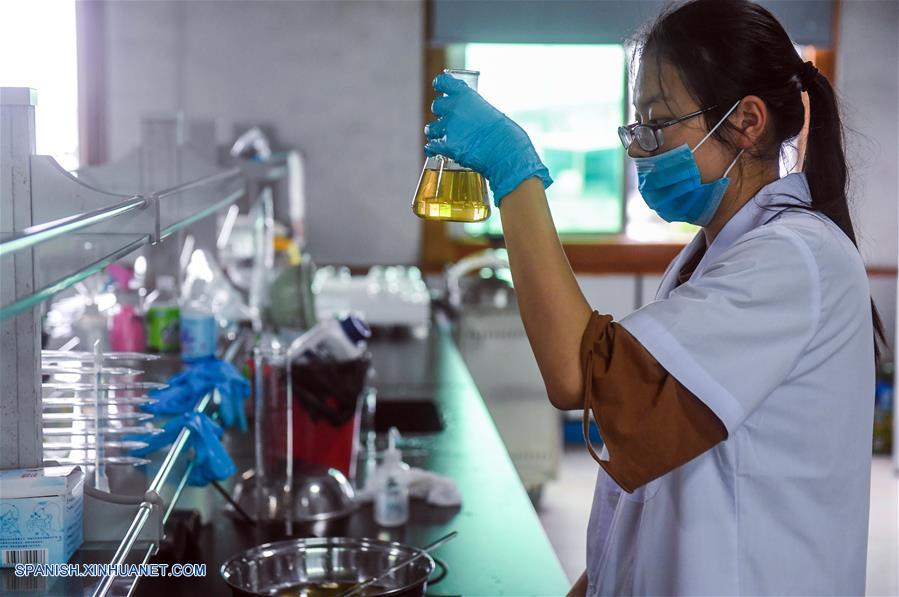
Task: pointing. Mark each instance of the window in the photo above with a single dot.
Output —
(570, 99)
(39, 51)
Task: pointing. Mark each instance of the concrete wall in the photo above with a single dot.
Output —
(340, 80)
(868, 85)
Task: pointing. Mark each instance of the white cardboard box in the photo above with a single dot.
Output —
(40, 515)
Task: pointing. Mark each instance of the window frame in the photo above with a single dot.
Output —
(454, 58)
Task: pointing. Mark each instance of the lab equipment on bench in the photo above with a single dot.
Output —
(388, 296)
(322, 501)
(448, 191)
(333, 339)
(391, 486)
(329, 400)
(88, 407)
(72, 225)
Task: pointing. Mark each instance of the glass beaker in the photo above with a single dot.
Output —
(273, 431)
(448, 191)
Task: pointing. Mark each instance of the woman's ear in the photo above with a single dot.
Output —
(750, 119)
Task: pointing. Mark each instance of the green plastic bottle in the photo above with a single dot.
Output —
(163, 319)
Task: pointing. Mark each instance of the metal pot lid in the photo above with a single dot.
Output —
(318, 494)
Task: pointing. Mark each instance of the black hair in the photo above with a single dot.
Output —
(725, 50)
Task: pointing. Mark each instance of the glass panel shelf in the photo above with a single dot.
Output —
(65, 260)
(182, 206)
(16, 241)
(77, 246)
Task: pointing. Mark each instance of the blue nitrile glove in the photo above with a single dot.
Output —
(233, 389)
(186, 389)
(480, 137)
(211, 461)
(181, 394)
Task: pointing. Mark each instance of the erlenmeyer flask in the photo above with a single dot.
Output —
(448, 191)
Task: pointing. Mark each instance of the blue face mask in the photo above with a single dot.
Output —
(671, 185)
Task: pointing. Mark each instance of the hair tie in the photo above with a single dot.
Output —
(807, 74)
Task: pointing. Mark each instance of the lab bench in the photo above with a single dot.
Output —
(501, 548)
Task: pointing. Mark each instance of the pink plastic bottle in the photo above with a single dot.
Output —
(126, 326)
(126, 330)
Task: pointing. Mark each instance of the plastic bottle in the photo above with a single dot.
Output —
(391, 485)
(126, 324)
(163, 318)
(334, 339)
(199, 330)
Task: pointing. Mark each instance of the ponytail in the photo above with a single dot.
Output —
(825, 165)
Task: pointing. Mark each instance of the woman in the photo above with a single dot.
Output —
(736, 409)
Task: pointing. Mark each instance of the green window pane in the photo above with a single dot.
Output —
(570, 99)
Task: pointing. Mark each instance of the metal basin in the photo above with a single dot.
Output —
(288, 568)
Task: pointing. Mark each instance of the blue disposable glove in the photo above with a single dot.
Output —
(181, 394)
(211, 461)
(186, 389)
(233, 392)
(478, 136)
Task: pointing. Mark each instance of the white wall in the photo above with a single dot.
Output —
(869, 40)
(340, 80)
(869, 89)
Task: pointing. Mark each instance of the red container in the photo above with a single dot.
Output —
(327, 408)
(317, 441)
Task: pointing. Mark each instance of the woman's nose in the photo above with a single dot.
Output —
(635, 151)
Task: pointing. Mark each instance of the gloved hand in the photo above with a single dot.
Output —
(185, 390)
(211, 461)
(480, 137)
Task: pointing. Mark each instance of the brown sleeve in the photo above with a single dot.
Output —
(650, 423)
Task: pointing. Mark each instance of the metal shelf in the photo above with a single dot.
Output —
(56, 229)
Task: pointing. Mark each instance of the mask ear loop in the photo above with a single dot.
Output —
(715, 128)
(732, 164)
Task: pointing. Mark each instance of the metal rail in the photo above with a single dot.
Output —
(146, 507)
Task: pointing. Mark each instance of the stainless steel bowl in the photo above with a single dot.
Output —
(322, 497)
(286, 567)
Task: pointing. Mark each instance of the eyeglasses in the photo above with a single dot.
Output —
(649, 136)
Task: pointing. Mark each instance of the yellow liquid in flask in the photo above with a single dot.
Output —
(451, 195)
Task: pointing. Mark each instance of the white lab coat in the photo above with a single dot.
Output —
(773, 332)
